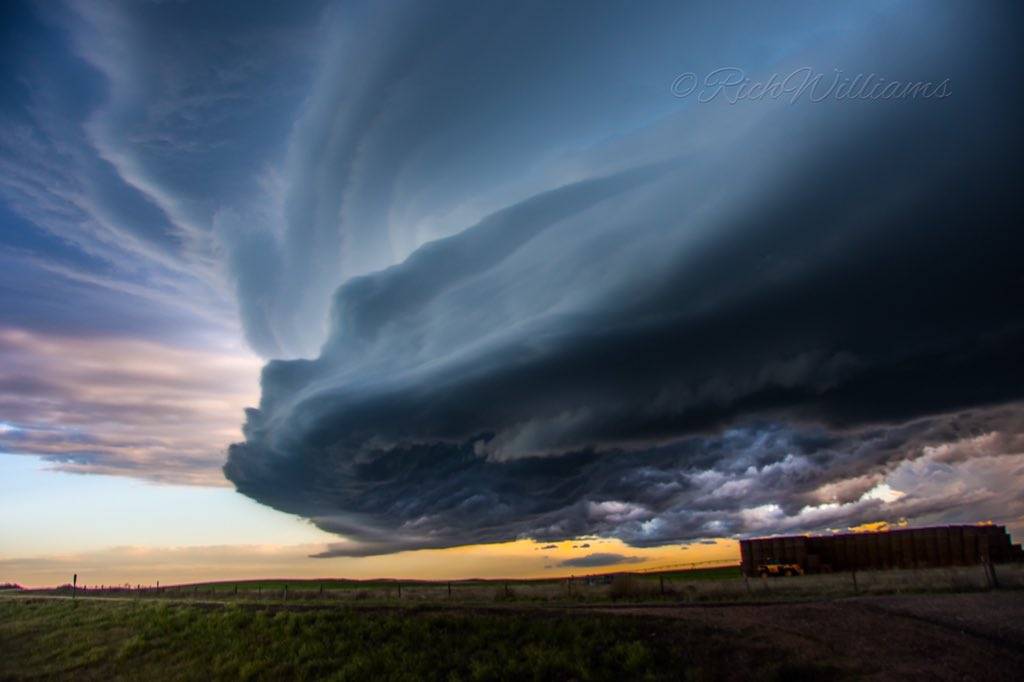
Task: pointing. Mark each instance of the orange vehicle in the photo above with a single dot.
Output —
(777, 569)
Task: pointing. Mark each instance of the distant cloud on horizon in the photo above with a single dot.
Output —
(599, 559)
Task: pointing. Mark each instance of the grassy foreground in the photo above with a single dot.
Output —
(92, 639)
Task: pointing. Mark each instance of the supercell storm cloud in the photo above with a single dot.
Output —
(524, 270)
(736, 316)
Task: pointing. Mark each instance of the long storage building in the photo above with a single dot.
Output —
(898, 548)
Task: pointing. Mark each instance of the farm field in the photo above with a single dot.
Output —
(922, 636)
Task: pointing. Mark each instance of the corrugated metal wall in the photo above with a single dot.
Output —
(901, 548)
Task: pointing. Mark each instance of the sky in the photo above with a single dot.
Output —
(468, 289)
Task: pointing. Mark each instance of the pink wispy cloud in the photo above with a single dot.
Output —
(123, 406)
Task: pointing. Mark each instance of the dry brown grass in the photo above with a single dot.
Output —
(948, 579)
(621, 587)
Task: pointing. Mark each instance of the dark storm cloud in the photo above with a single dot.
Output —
(422, 119)
(753, 317)
(541, 296)
(601, 559)
(760, 478)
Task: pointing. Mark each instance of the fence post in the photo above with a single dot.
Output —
(286, 592)
(74, 586)
(746, 581)
(661, 582)
(399, 590)
(321, 589)
(449, 591)
(990, 573)
(856, 590)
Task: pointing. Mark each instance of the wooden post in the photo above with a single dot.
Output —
(661, 581)
(236, 589)
(399, 590)
(990, 573)
(449, 591)
(746, 581)
(506, 588)
(856, 590)
(321, 589)
(74, 585)
(286, 591)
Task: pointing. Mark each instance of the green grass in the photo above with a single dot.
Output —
(92, 640)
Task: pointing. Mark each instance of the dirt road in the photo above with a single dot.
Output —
(976, 636)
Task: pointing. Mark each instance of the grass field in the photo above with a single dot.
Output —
(709, 624)
(92, 639)
(949, 636)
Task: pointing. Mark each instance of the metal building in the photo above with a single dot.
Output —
(899, 548)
